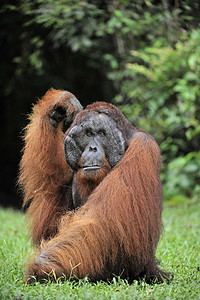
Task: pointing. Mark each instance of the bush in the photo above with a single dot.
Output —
(145, 53)
(181, 177)
(166, 81)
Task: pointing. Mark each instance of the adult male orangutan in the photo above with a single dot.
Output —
(92, 187)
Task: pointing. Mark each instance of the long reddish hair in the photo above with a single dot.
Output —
(116, 231)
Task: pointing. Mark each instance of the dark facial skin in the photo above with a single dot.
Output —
(92, 149)
(94, 138)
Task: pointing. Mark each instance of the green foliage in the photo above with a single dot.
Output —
(166, 80)
(62, 19)
(146, 53)
(179, 252)
(182, 176)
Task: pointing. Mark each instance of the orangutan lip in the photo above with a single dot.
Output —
(91, 168)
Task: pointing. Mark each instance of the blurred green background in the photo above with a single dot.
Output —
(143, 56)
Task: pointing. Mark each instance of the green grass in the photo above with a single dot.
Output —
(179, 251)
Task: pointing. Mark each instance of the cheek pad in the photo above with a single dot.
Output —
(115, 147)
(72, 152)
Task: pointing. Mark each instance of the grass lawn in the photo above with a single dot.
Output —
(179, 251)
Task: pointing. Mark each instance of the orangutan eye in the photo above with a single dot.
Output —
(102, 132)
(89, 132)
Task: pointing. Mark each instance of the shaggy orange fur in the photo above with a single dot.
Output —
(116, 232)
(45, 177)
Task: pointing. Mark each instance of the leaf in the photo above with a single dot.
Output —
(177, 200)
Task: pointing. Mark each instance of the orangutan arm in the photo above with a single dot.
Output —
(45, 177)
